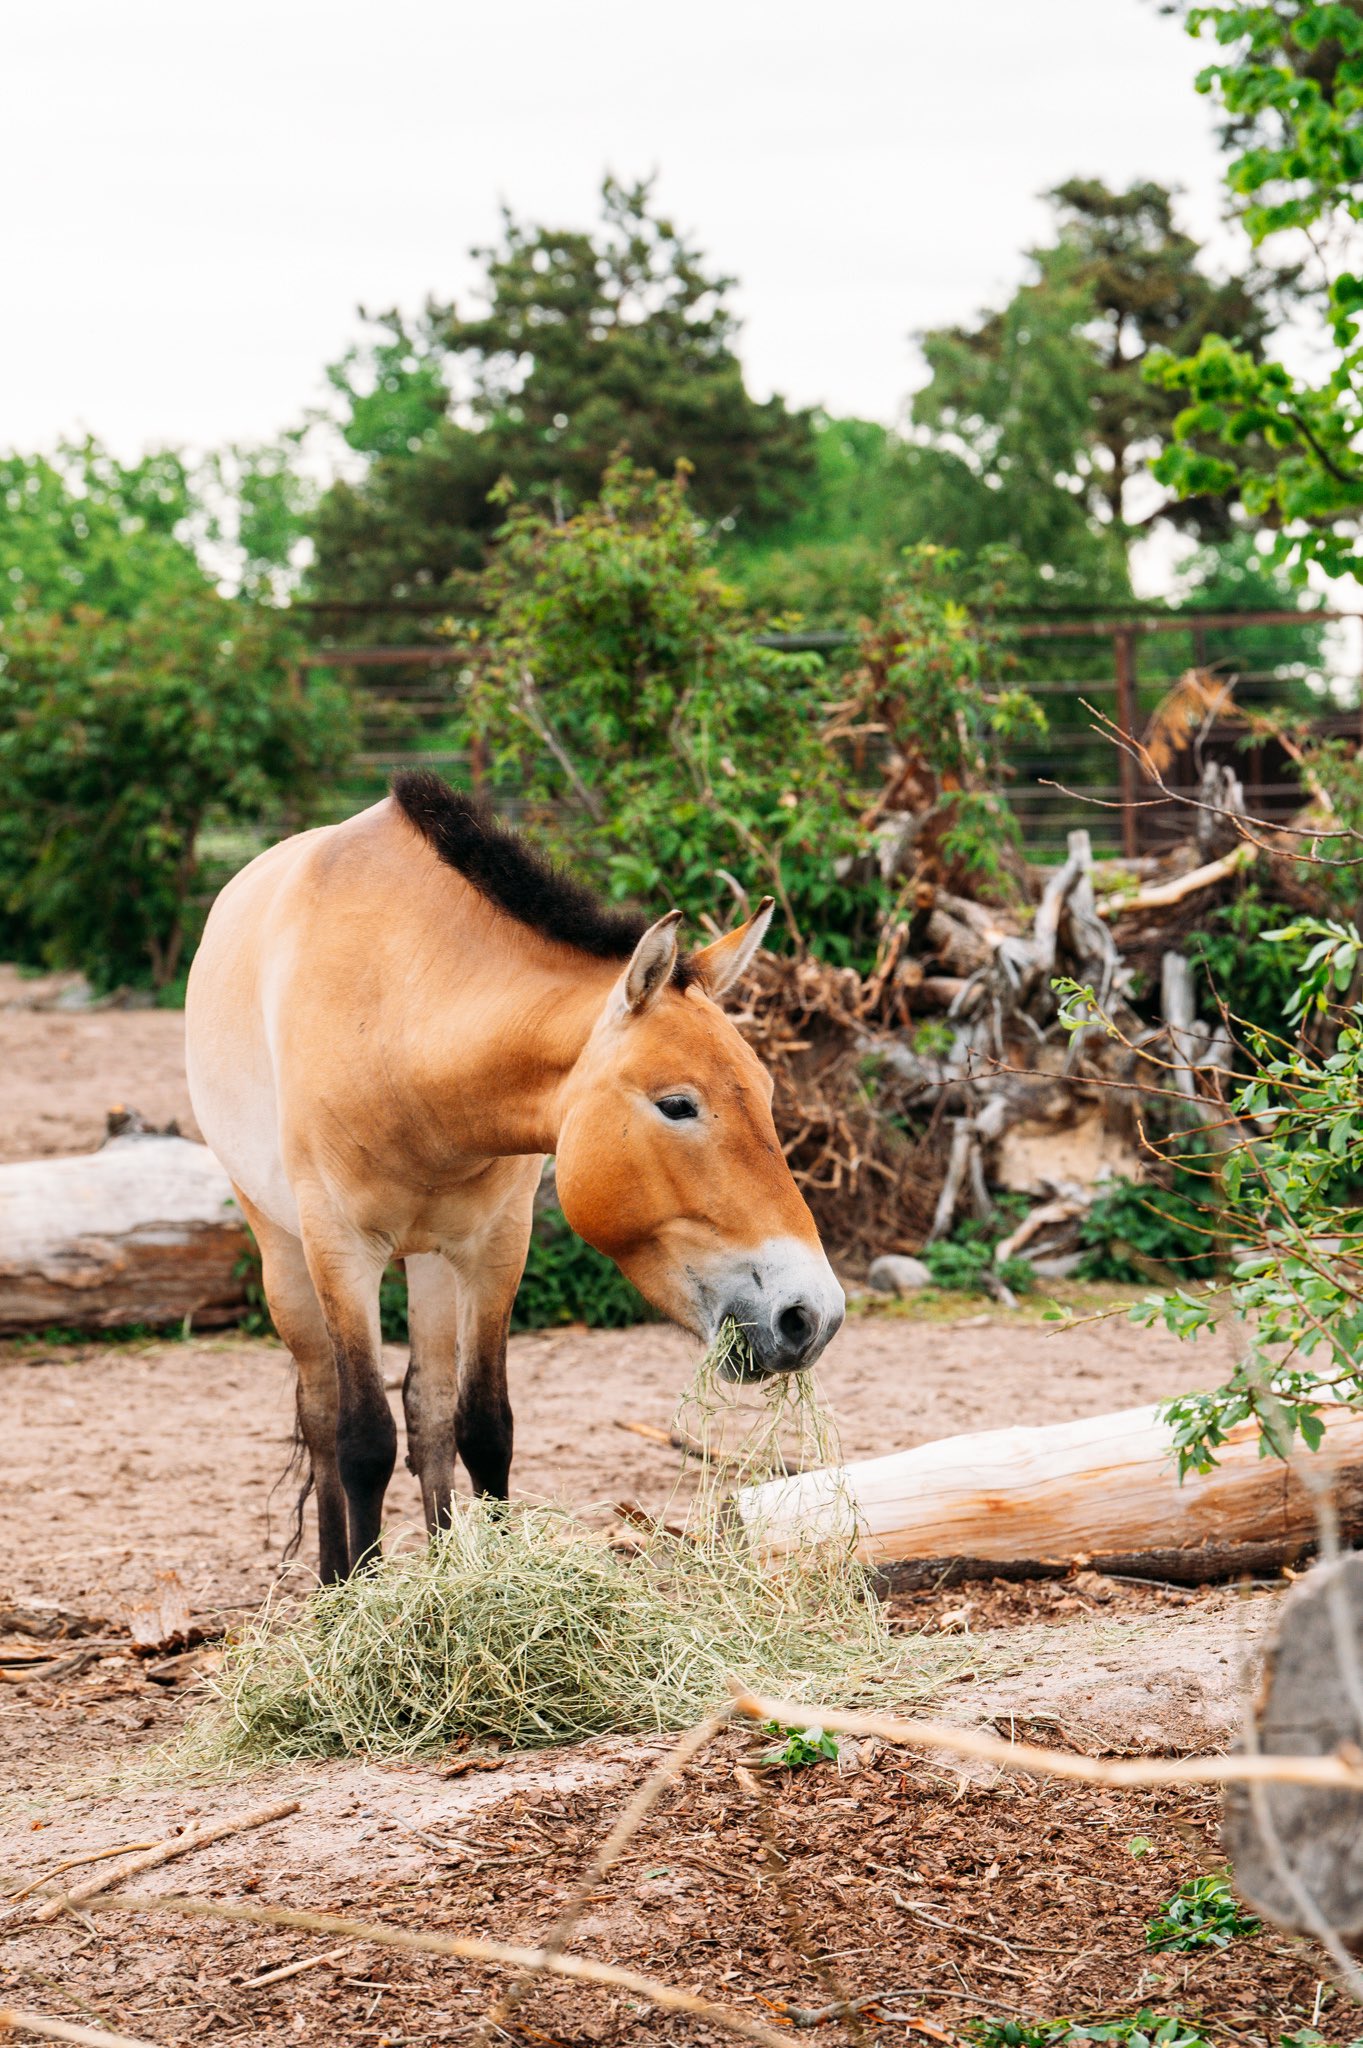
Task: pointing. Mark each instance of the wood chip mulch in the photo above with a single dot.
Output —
(953, 1900)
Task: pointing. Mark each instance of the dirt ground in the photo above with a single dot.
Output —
(776, 1892)
(64, 1070)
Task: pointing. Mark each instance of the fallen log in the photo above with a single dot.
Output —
(1100, 1493)
(143, 1231)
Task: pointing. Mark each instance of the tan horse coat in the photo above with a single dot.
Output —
(381, 1055)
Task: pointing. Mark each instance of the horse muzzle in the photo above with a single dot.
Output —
(786, 1302)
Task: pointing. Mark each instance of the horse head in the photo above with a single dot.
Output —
(668, 1159)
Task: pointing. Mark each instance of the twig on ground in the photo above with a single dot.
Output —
(668, 1997)
(59, 1667)
(74, 1863)
(1326, 1771)
(333, 1955)
(13, 2020)
(166, 1852)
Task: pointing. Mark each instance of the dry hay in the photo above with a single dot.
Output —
(524, 1625)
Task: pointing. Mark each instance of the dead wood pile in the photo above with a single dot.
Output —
(904, 1098)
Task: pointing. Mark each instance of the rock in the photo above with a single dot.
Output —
(896, 1274)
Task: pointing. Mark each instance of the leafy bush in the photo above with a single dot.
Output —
(798, 1748)
(617, 680)
(1291, 1186)
(119, 738)
(1145, 2029)
(960, 1262)
(1236, 964)
(1161, 1226)
(565, 1281)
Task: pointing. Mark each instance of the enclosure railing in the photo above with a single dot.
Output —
(1075, 773)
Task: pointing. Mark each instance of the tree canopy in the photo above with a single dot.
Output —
(1289, 447)
(590, 344)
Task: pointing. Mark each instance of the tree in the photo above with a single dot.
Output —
(1040, 417)
(1288, 446)
(80, 529)
(591, 343)
(120, 736)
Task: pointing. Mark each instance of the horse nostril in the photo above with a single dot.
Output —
(796, 1325)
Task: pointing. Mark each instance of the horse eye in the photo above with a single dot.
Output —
(677, 1108)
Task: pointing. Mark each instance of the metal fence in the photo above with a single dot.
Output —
(1080, 670)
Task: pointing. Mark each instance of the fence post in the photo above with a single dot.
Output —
(1124, 660)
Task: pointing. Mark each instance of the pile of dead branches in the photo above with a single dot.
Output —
(898, 1093)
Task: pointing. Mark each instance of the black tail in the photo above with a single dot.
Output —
(298, 1459)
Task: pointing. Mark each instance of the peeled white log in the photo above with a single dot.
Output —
(1101, 1492)
(145, 1230)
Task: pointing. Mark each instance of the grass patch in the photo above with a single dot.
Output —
(524, 1625)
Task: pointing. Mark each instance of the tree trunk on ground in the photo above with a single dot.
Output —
(144, 1231)
(1102, 1493)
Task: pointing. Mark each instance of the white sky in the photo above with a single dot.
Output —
(198, 195)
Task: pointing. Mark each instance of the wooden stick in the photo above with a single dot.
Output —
(333, 1955)
(13, 2020)
(1162, 895)
(584, 1969)
(59, 1667)
(74, 1863)
(166, 1852)
(677, 1440)
(1331, 1772)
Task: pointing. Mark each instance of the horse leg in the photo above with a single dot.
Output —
(489, 1268)
(297, 1316)
(430, 1391)
(346, 1270)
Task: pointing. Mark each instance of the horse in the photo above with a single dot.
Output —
(390, 1023)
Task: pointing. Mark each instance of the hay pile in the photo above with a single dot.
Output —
(524, 1625)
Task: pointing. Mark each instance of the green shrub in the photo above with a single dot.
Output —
(1236, 966)
(1204, 1913)
(960, 1262)
(119, 739)
(1161, 1226)
(565, 1281)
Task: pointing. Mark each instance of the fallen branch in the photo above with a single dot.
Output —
(678, 1440)
(1164, 895)
(15, 2021)
(1331, 1772)
(166, 1852)
(58, 1667)
(667, 1997)
(333, 1955)
(74, 1863)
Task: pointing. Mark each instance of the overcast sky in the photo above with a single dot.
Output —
(197, 196)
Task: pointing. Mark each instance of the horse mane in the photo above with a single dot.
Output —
(514, 875)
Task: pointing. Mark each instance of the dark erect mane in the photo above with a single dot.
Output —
(513, 874)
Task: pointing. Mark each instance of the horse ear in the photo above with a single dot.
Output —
(651, 965)
(721, 963)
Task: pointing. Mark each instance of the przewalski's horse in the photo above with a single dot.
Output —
(390, 1022)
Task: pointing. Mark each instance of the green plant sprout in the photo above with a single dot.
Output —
(1203, 1913)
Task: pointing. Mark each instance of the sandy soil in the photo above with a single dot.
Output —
(125, 1459)
(62, 1073)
